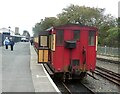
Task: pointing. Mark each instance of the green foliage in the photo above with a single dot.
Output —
(48, 22)
(45, 24)
(37, 29)
(26, 33)
(80, 14)
(112, 38)
(85, 16)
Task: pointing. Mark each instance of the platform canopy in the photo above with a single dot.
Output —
(7, 30)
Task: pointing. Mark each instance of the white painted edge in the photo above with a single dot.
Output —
(1, 70)
(51, 81)
(47, 75)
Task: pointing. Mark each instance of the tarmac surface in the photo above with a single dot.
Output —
(16, 73)
(20, 71)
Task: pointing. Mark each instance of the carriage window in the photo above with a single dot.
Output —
(43, 41)
(59, 37)
(76, 35)
(91, 38)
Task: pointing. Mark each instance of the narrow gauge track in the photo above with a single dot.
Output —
(107, 60)
(73, 87)
(77, 87)
(70, 86)
(111, 76)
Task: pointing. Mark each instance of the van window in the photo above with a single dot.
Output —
(91, 38)
(76, 35)
(43, 41)
(59, 37)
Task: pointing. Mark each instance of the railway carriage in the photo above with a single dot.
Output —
(69, 49)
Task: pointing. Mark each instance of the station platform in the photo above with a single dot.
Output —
(41, 80)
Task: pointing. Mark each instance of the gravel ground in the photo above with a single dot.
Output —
(110, 66)
(103, 85)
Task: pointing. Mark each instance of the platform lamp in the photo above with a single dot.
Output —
(9, 28)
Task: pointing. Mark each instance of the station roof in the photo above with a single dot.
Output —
(6, 30)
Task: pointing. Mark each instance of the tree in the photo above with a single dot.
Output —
(48, 22)
(26, 33)
(81, 15)
(112, 38)
(45, 24)
(37, 29)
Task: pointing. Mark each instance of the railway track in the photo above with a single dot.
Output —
(116, 61)
(67, 89)
(77, 88)
(109, 75)
(70, 87)
(73, 87)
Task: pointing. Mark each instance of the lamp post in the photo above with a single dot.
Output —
(9, 29)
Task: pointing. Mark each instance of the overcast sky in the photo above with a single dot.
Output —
(25, 13)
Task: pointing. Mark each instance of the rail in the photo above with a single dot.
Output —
(77, 88)
(111, 76)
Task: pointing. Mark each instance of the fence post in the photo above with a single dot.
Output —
(105, 49)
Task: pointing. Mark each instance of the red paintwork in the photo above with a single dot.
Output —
(36, 45)
(61, 55)
(60, 58)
